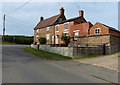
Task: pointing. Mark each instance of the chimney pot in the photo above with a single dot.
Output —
(41, 18)
(81, 13)
(61, 10)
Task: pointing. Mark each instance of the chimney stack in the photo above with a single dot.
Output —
(41, 18)
(62, 10)
(81, 13)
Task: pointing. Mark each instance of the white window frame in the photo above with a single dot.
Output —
(76, 31)
(96, 29)
(37, 37)
(65, 26)
(37, 30)
(58, 28)
(66, 33)
(47, 36)
(47, 28)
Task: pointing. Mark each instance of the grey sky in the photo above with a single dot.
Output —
(23, 21)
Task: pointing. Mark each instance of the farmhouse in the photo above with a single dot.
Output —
(79, 30)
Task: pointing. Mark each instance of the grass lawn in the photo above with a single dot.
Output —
(42, 55)
(7, 43)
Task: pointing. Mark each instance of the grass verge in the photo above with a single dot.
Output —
(57, 55)
(42, 55)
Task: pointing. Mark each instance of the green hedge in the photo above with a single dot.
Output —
(19, 39)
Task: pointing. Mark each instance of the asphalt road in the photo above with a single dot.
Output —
(22, 67)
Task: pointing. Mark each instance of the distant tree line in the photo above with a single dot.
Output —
(18, 39)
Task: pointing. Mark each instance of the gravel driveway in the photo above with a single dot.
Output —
(107, 61)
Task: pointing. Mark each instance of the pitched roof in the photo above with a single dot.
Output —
(71, 19)
(78, 25)
(109, 27)
(47, 22)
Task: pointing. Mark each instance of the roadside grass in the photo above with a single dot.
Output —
(42, 55)
(57, 55)
(7, 43)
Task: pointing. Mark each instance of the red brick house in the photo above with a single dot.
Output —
(80, 31)
(69, 27)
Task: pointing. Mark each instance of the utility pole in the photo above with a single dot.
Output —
(3, 27)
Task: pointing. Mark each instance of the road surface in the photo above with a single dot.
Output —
(22, 67)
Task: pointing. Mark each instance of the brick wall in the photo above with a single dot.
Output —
(96, 39)
(42, 33)
(103, 29)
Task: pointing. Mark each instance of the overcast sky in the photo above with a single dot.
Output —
(23, 20)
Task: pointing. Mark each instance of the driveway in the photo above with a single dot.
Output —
(107, 61)
(22, 67)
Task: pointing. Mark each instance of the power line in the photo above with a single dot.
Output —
(18, 20)
(12, 21)
(19, 7)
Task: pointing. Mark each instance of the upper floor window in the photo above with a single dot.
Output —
(56, 28)
(66, 26)
(97, 31)
(48, 28)
(37, 30)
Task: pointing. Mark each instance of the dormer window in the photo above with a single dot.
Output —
(97, 31)
(48, 28)
(60, 20)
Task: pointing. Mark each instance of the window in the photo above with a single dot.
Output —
(76, 34)
(37, 37)
(60, 20)
(37, 30)
(66, 33)
(66, 26)
(97, 31)
(47, 36)
(57, 28)
(48, 28)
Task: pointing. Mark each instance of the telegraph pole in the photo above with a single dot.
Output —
(3, 27)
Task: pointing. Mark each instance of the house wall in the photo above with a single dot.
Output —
(83, 29)
(103, 29)
(61, 30)
(42, 33)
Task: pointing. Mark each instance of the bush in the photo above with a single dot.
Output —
(42, 40)
(66, 39)
(63, 45)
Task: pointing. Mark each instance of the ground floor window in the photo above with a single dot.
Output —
(47, 36)
(76, 34)
(37, 37)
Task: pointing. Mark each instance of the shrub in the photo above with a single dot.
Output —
(66, 39)
(42, 40)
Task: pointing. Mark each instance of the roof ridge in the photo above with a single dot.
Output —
(51, 17)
